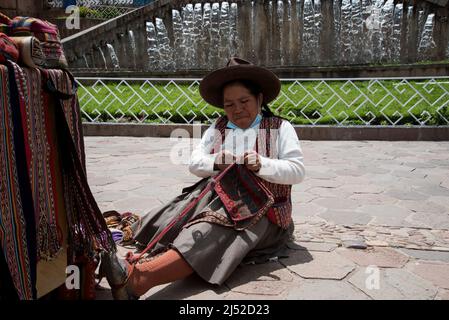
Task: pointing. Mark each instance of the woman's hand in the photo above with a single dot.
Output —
(223, 160)
(251, 159)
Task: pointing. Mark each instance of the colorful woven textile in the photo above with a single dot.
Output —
(43, 175)
(40, 160)
(245, 198)
(86, 225)
(13, 230)
(48, 35)
(30, 51)
(87, 228)
(8, 49)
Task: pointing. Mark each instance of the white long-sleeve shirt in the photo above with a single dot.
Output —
(288, 168)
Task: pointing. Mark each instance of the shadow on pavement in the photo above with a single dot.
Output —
(248, 279)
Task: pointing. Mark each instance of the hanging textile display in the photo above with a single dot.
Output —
(87, 228)
(46, 205)
(88, 222)
(37, 94)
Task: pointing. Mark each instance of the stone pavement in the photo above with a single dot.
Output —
(390, 200)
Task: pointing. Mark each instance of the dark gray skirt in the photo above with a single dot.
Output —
(212, 250)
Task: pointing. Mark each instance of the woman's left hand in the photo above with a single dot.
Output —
(251, 159)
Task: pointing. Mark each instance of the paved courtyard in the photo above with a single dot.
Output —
(371, 218)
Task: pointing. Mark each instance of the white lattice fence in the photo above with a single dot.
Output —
(367, 101)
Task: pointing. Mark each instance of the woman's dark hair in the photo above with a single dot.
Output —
(254, 89)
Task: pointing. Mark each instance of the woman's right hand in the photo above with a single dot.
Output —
(223, 160)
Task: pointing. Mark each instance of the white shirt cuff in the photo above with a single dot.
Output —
(266, 168)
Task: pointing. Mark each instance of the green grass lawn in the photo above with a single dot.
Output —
(307, 102)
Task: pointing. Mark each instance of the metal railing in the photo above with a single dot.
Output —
(356, 101)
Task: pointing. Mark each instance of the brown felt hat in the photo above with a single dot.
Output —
(211, 86)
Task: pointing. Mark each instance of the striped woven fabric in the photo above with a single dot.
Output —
(13, 233)
(40, 150)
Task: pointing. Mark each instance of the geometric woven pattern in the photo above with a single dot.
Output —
(357, 101)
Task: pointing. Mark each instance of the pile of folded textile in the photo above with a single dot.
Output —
(36, 40)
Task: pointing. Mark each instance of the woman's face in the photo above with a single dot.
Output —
(240, 106)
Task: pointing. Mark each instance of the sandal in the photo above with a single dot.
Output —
(117, 272)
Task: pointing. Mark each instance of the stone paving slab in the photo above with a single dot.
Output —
(442, 295)
(427, 254)
(252, 297)
(435, 272)
(312, 246)
(268, 279)
(192, 288)
(392, 196)
(337, 203)
(394, 284)
(318, 265)
(326, 290)
(378, 256)
(346, 216)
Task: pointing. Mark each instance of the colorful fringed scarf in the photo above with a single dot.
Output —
(40, 162)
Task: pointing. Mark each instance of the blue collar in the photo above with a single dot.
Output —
(256, 121)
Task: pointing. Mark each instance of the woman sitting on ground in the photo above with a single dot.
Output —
(208, 238)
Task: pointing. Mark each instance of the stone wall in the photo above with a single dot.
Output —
(85, 23)
(14, 8)
(285, 34)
